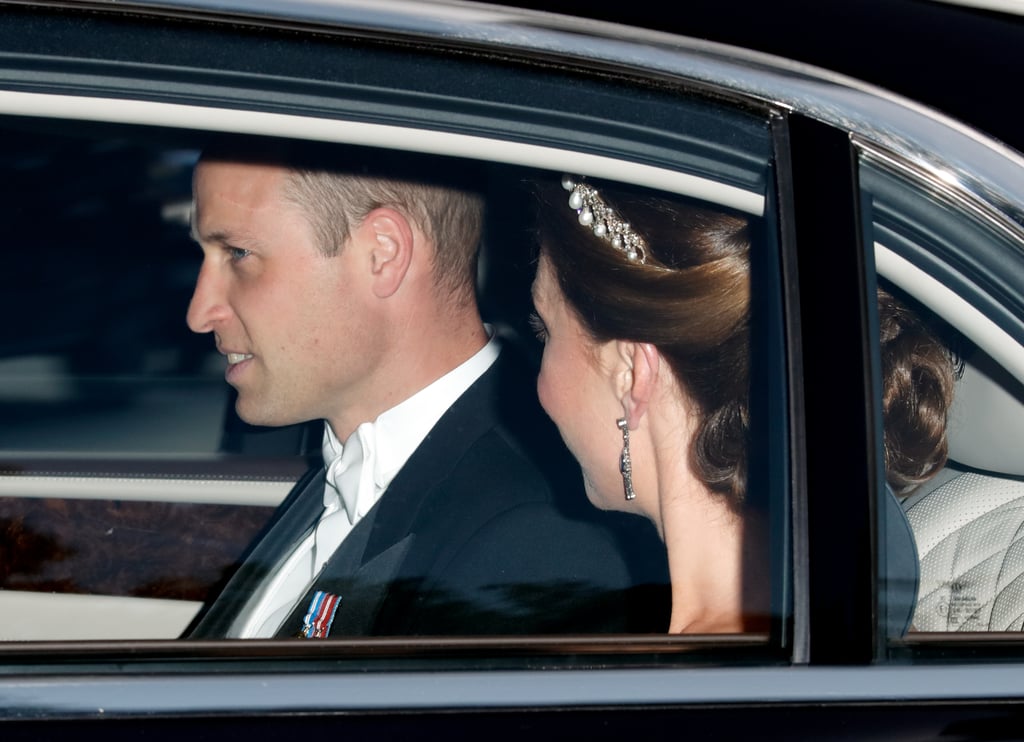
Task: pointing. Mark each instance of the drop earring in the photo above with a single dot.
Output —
(625, 462)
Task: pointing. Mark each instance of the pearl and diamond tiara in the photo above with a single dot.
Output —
(603, 220)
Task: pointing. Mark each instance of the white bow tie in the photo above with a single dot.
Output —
(345, 468)
(349, 491)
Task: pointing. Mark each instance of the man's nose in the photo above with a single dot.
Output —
(208, 305)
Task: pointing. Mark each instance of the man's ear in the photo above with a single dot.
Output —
(391, 243)
(639, 366)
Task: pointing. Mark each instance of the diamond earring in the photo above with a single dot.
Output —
(625, 462)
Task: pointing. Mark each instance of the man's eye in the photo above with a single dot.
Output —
(237, 253)
(538, 327)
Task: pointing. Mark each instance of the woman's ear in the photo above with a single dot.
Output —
(640, 364)
(391, 244)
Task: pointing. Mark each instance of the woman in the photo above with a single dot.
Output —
(643, 305)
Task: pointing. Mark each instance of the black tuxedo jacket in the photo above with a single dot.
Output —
(475, 535)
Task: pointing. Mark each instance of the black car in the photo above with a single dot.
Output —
(129, 491)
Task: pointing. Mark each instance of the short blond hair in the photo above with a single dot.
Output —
(337, 186)
(450, 217)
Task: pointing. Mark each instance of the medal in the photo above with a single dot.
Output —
(319, 615)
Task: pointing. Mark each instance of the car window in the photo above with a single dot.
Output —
(131, 491)
(98, 230)
(949, 265)
(121, 417)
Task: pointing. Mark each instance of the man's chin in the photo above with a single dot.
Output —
(254, 415)
(261, 416)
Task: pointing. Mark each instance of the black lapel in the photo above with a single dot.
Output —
(374, 552)
(294, 517)
(372, 555)
(372, 583)
(498, 395)
(360, 586)
(472, 415)
(337, 576)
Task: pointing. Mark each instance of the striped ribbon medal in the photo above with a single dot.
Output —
(320, 615)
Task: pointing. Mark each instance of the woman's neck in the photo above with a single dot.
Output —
(717, 557)
(704, 539)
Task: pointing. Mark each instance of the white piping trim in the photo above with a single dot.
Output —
(198, 491)
(115, 110)
(30, 616)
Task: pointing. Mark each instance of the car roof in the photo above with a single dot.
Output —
(934, 143)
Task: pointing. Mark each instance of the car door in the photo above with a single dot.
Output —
(104, 112)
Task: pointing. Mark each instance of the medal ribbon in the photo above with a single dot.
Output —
(320, 615)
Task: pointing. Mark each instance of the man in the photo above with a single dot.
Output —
(350, 297)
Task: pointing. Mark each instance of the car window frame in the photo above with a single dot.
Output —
(300, 124)
(967, 296)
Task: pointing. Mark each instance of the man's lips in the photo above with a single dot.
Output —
(236, 365)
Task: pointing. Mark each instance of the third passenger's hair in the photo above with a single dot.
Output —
(918, 373)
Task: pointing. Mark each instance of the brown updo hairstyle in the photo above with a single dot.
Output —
(918, 373)
(696, 313)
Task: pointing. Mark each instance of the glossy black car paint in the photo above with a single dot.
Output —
(954, 58)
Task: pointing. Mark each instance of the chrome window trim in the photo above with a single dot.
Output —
(280, 693)
(943, 184)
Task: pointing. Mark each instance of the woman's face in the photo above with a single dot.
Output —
(577, 390)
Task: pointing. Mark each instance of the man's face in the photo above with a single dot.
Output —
(291, 322)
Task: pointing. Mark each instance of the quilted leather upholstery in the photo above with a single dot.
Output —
(970, 539)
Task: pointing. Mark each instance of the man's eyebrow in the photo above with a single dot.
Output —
(219, 237)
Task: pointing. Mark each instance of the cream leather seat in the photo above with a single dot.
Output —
(968, 522)
(970, 539)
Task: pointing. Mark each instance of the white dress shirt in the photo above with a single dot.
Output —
(358, 473)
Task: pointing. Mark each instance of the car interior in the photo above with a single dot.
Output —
(957, 548)
(86, 483)
(968, 520)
